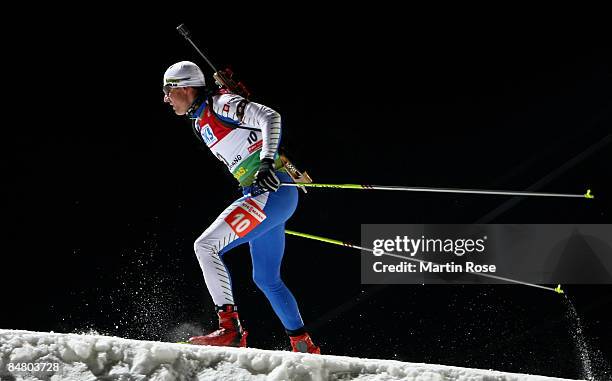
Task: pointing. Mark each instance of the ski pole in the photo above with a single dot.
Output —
(346, 244)
(437, 190)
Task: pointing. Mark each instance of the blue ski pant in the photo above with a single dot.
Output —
(260, 221)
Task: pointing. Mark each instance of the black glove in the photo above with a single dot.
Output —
(265, 178)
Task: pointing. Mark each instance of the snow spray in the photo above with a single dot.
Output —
(594, 366)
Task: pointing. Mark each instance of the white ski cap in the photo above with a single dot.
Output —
(184, 74)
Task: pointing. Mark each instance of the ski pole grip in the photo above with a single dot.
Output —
(256, 191)
(183, 31)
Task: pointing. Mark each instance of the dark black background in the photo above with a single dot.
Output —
(105, 189)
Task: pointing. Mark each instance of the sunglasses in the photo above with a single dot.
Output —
(166, 89)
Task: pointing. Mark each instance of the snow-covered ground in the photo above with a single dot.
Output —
(26, 355)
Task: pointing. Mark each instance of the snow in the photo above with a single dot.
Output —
(94, 357)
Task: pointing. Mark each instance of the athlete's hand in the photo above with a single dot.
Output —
(265, 178)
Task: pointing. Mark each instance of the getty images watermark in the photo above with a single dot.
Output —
(442, 253)
(412, 247)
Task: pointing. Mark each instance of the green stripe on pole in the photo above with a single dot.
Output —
(318, 185)
(587, 195)
(336, 242)
(317, 238)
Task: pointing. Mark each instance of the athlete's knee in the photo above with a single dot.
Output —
(267, 283)
(204, 245)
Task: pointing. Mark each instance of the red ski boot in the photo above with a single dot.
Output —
(229, 334)
(303, 343)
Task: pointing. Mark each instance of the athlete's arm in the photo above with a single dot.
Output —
(251, 114)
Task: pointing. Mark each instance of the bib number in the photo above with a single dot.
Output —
(245, 217)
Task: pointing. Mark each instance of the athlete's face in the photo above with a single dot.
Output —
(180, 98)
